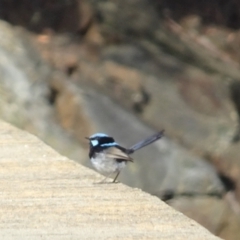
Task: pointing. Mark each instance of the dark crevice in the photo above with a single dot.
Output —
(170, 194)
(71, 69)
(220, 12)
(228, 183)
(52, 95)
(235, 96)
(142, 101)
(167, 195)
(38, 15)
(84, 29)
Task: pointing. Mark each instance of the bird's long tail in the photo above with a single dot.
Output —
(145, 142)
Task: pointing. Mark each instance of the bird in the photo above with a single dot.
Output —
(108, 157)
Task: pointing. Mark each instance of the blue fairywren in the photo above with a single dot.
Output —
(109, 157)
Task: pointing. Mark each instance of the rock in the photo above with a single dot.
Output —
(191, 105)
(25, 90)
(41, 15)
(22, 88)
(215, 214)
(229, 164)
(183, 97)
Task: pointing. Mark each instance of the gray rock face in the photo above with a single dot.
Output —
(23, 76)
(214, 213)
(191, 103)
(25, 91)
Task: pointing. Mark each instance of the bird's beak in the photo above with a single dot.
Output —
(87, 138)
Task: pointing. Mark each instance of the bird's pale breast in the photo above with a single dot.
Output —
(105, 164)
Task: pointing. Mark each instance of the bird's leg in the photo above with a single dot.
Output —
(114, 180)
(108, 176)
(104, 180)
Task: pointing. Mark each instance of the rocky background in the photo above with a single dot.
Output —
(69, 68)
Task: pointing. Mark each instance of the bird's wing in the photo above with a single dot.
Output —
(116, 153)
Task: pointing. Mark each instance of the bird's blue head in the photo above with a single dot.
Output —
(101, 140)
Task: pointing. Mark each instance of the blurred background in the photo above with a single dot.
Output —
(129, 68)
